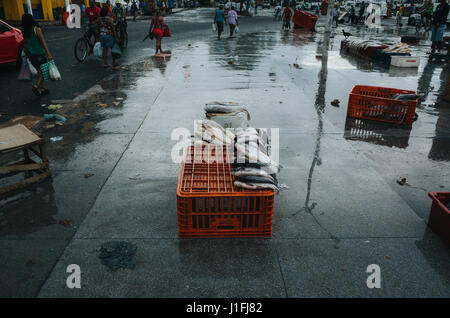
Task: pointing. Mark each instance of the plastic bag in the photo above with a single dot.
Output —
(32, 68)
(116, 52)
(236, 30)
(98, 51)
(44, 69)
(25, 72)
(53, 71)
(214, 27)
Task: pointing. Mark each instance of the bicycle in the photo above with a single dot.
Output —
(424, 22)
(121, 27)
(84, 46)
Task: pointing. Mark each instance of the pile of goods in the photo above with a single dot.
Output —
(398, 48)
(228, 114)
(252, 166)
(377, 52)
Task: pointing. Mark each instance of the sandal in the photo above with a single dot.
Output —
(36, 91)
(45, 91)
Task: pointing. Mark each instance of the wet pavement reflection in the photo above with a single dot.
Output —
(264, 68)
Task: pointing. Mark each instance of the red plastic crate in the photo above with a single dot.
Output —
(209, 205)
(439, 219)
(304, 19)
(374, 103)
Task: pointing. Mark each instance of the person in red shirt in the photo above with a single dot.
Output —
(92, 12)
(286, 17)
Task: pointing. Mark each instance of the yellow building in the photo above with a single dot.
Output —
(43, 10)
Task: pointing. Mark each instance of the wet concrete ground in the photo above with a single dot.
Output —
(342, 212)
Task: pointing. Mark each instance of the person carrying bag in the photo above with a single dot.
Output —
(36, 51)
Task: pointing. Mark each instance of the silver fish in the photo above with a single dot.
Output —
(250, 171)
(256, 186)
(231, 110)
(257, 179)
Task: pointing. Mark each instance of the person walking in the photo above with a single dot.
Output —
(438, 25)
(286, 17)
(36, 50)
(218, 20)
(108, 35)
(157, 26)
(336, 16)
(232, 18)
(256, 7)
(134, 9)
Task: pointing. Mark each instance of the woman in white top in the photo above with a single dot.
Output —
(232, 19)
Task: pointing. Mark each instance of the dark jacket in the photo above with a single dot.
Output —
(441, 13)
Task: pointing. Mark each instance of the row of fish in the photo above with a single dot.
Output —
(214, 109)
(398, 48)
(253, 168)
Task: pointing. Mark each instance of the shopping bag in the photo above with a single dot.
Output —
(214, 27)
(98, 51)
(53, 71)
(24, 73)
(32, 68)
(236, 30)
(116, 52)
(44, 69)
(166, 30)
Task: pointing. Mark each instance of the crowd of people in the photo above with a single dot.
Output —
(106, 22)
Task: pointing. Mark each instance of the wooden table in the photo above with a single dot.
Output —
(20, 138)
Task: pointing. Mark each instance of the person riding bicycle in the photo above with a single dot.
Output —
(92, 12)
(427, 11)
(119, 16)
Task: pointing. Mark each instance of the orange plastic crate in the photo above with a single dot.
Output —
(209, 205)
(439, 219)
(375, 103)
(303, 19)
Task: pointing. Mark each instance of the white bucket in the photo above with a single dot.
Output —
(405, 61)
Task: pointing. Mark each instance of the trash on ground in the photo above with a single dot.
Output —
(296, 65)
(117, 255)
(335, 102)
(66, 223)
(88, 175)
(402, 181)
(55, 117)
(56, 139)
(55, 106)
(102, 105)
(135, 177)
(31, 261)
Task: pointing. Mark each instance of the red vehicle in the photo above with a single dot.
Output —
(11, 44)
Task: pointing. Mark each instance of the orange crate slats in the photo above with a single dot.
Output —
(375, 103)
(209, 205)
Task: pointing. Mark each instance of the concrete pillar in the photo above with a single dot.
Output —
(47, 10)
(329, 21)
(30, 9)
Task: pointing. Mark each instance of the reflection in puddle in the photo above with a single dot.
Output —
(243, 52)
(27, 211)
(378, 133)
